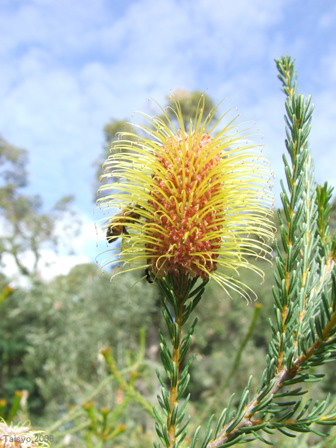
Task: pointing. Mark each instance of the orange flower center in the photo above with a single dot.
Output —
(184, 227)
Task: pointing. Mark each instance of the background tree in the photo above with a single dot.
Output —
(189, 102)
(112, 131)
(26, 228)
(26, 231)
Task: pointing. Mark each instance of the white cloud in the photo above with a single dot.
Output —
(68, 67)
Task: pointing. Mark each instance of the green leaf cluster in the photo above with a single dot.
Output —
(305, 300)
(179, 299)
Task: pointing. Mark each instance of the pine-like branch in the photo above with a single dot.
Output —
(180, 297)
(304, 332)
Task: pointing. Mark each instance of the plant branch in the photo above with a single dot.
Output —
(247, 420)
(178, 301)
(305, 295)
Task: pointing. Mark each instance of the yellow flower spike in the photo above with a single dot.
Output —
(200, 202)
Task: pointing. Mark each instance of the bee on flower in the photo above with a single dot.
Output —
(118, 224)
(204, 206)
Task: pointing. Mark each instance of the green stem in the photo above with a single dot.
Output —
(180, 297)
(175, 378)
(249, 420)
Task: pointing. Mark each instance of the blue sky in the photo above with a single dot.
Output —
(68, 67)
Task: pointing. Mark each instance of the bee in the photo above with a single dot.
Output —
(118, 223)
(148, 275)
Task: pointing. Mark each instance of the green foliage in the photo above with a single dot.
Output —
(78, 315)
(94, 425)
(305, 301)
(13, 172)
(14, 376)
(112, 132)
(189, 103)
(60, 328)
(178, 301)
(113, 129)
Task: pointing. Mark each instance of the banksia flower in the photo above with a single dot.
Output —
(194, 201)
(21, 437)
